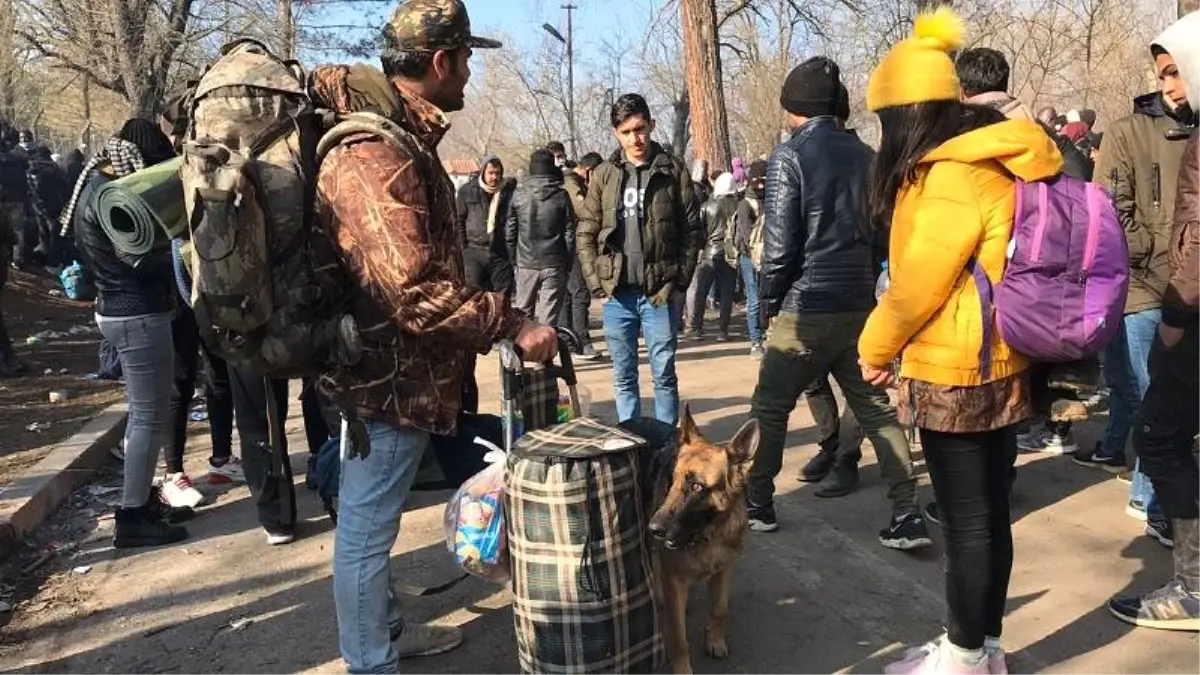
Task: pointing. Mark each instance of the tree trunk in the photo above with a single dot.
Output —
(1187, 7)
(679, 130)
(287, 30)
(702, 66)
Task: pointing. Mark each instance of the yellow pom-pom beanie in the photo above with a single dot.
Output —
(919, 69)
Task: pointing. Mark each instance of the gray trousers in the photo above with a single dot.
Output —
(144, 346)
(540, 294)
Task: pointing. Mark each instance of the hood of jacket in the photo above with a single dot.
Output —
(542, 187)
(1021, 147)
(1179, 39)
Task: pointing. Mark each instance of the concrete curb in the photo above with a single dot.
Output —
(29, 500)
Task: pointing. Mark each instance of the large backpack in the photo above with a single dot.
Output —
(582, 576)
(269, 292)
(1063, 292)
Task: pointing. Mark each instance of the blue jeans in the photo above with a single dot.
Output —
(144, 346)
(1127, 374)
(371, 498)
(750, 281)
(628, 314)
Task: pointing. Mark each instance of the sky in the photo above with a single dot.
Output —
(520, 21)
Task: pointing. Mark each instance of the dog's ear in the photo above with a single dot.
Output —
(744, 444)
(688, 432)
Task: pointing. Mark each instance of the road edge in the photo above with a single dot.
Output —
(31, 498)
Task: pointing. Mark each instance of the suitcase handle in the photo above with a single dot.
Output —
(512, 359)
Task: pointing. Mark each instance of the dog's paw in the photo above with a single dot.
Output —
(715, 646)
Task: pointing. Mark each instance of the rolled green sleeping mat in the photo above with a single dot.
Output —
(144, 209)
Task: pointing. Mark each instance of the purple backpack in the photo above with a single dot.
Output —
(1063, 291)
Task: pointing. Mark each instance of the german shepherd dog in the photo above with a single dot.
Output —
(699, 524)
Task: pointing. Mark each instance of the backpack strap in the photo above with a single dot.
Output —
(986, 301)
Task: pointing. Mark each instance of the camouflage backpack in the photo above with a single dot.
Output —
(269, 292)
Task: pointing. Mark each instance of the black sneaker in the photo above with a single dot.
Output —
(931, 513)
(1095, 458)
(817, 468)
(1160, 530)
(310, 472)
(840, 482)
(1171, 607)
(588, 353)
(762, 518)
(723, 336)
(905, 532)
(144, 526)
(172, 515)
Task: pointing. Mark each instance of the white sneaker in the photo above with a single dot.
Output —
(226, 474)
(178, 491)
(280, 537)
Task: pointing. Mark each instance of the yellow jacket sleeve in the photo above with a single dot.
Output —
(928, 254)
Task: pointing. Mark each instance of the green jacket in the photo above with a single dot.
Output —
(670, 236)
(1139, 164)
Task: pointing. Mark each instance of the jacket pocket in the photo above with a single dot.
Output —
(605, 267)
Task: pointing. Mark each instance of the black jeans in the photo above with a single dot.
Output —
(824, 408)
(971, 480)
(250, 403)
(188, 359)
(575, 311)
(710, 273)
(1163, 441)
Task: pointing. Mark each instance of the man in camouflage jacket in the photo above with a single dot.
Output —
(391, 212)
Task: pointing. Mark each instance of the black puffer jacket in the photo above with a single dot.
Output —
(817, 241)
(126, 285)
(472, 205)
(540, 229)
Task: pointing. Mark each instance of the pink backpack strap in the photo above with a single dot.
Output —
(986, 300)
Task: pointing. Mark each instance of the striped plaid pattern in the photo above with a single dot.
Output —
(582, 575)
(539, 397)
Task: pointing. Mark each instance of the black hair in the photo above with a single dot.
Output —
(909, 132)
(556, 147)
(982, 70)
(149, 139)
(408, 64)
(629, 105)
(591, 160)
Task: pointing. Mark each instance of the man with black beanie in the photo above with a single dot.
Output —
(540, 237)
(817, 288)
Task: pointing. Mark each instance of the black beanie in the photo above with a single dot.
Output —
(842, 112)
(811, 89)
(541, 163)
(149, 139)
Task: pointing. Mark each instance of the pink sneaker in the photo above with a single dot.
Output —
(934, 658)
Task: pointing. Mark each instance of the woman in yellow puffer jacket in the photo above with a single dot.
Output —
(944, 179)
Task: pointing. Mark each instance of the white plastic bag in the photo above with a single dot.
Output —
(474, 521)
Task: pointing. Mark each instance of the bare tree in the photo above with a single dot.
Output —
(125, 46)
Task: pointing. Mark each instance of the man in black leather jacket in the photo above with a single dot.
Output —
(818, 283)
(718, 218)
(539, 234)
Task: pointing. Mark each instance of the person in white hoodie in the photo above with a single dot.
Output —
(1163, 437)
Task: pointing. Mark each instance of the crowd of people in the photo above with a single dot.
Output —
(853, 263)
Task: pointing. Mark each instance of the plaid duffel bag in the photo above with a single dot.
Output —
(582, 576)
